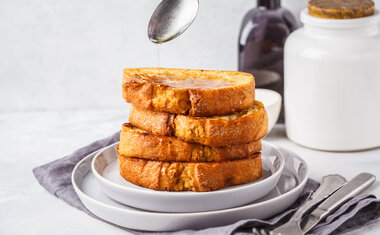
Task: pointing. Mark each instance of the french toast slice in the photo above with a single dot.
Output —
(189, 92)
(136, 142)
(238, 128)
(189, 176)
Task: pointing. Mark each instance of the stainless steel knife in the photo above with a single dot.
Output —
(329, 185)
(349, 190)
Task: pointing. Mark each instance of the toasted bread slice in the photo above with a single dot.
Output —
(136, 142)
(190, 92)
(188, 176)
(239, 128)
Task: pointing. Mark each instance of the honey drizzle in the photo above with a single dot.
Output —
(158, 55)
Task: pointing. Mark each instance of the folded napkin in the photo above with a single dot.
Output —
(361, 210)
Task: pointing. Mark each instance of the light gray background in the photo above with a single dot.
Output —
(69, 54)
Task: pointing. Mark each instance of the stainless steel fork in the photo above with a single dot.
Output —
(329, 185)
(334, 200)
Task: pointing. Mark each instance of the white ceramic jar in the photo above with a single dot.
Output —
(332, 83)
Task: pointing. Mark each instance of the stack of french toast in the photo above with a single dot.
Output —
(191, 130)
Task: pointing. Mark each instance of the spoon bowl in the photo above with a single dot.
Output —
(171, 18)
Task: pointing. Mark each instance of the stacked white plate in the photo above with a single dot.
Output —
(105, 193)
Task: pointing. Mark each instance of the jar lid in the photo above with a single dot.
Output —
(341, 9)
(308, 19)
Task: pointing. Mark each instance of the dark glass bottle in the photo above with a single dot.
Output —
(261, 44)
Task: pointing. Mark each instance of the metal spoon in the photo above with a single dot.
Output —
(171, 18)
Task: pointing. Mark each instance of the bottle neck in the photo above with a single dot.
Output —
(269, 4)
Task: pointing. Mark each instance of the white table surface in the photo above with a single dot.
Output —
(30, 139)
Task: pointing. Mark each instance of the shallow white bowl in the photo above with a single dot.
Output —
(272, 103)
(106, 171)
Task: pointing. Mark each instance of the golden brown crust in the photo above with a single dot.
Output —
(238, 128)
(135, 143)
(157, 89)
(181, 176)
(338, 9)
(159, 123)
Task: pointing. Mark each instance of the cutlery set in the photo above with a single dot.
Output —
(332, 193)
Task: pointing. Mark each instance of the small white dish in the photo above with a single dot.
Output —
(272, 103)
(106, 171)
(286, 192)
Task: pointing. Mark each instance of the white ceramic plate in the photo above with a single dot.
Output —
(106, 171)
(287, 190)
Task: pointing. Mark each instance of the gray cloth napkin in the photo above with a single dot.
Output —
(361, 210)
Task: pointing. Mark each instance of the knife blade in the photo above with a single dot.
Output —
(349, 190)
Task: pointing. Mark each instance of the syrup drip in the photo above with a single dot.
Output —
(158, 56)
